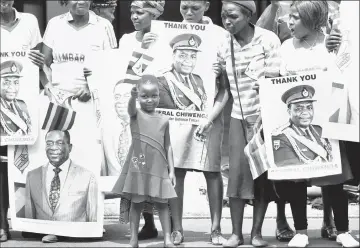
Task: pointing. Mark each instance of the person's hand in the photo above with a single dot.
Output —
(216, 68)
(37, 58)
(333, 41)
(134, 92)
(87, 72)
(47, 89)
(172, 178)
(202, 129)
(148, 39)
(83, 95)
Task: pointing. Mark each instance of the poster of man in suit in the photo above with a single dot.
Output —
(18, 110)
(294, 109)
(55, 182)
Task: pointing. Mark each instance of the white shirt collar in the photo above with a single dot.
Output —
(92, 17)
(64, 166)
(17, 14)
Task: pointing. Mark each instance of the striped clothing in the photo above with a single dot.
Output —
(253, 62)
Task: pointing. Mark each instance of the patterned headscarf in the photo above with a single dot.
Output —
(154, 7)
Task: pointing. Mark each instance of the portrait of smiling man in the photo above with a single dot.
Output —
(179, 87)
(299, 142)
(61, 190)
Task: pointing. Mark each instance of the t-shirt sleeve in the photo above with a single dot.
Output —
(110, 41)
(50, 34)
(272, 55)
(35, 32)
(284, 50)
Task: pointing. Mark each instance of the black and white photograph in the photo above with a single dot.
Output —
(294, 142)
(55, 181)
(19, 110)
(176, 123)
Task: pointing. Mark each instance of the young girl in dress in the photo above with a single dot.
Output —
(148, 173)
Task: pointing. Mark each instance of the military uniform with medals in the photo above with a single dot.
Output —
(14, 116)
(179, 91)
(294, 145)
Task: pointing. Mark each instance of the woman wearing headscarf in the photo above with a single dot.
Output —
(136, 46)
(307, 22)
(19, 32)
(193, 12)
(251, 54)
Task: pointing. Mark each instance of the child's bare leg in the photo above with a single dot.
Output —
(135, 211)
(164, 216)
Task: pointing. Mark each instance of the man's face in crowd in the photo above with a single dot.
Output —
(6, 6)
(79, 7)
(57, 148)
(9, 88)
(301, 114)
(184, 61)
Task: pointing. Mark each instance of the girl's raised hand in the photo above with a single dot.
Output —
(134, 92)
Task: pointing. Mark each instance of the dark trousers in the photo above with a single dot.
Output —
(339, 203)
(352, 152)
(4, 196)
(296, 194)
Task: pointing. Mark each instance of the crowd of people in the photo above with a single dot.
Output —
(287, 41)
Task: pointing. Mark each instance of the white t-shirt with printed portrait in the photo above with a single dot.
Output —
(70, 47)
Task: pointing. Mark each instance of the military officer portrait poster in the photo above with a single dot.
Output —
(19, 106)
(294, 109)
(187, 81)
(53, 184)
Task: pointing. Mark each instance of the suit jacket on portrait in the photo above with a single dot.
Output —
(78, 197)
(294, 152)
(175, 95)
(11, 121)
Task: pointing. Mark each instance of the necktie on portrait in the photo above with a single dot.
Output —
(12, 108)
(308, 135)
(54, 195)
(187, 82)
(21, 157)
(123, 145)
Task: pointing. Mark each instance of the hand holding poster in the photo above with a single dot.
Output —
(19, 90)
(294, 109)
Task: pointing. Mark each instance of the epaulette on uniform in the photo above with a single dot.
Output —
(280, 129)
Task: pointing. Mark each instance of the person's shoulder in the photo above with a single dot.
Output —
(279, 131)
(82, 171)
(28, 17)
(317, 128)
(196, 76)
(101, 20)
(21, 103)
(267, 36)
(35, 172)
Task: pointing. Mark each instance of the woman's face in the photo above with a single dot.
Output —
(193, 11)
(79, 7)
(6, 6)
(140, 18)
(297, 28)
(233, 19)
